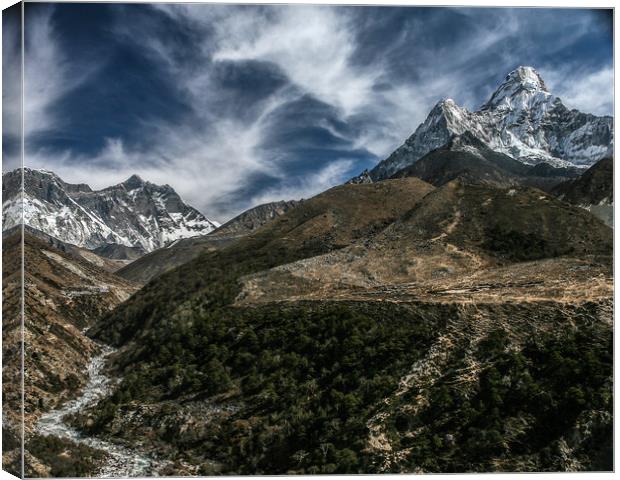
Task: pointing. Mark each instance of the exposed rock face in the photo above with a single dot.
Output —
(254, 218)
(363, 177)
(535, 126)
(521, 119)
(134, 213)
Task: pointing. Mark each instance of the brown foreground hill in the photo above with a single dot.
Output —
(385, 327)
(456, 233)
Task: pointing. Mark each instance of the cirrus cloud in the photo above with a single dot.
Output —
(234, 105)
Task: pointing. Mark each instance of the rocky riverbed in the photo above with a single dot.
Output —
(121, 461)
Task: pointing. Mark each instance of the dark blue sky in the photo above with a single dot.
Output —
(234, 106)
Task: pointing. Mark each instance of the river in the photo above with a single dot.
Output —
(121, 461)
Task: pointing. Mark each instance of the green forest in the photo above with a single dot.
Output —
(310, 376)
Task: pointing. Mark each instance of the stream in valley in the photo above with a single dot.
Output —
(121, 461)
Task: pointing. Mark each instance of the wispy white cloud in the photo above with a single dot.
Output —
(202, 170)
(203, 165)
(48, 73)
(308, 185)
(11, 77)
(213, 163)
(590, 91)
(314, 46)
(216, 155)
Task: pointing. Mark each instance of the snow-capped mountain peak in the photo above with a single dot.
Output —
(523, 88)
(526, 78)
(521, 119)
(446, 110)
(134, 213)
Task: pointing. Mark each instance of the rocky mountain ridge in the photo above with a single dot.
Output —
(254, 218)
(469, 159)
(156, 263)
(134, 213)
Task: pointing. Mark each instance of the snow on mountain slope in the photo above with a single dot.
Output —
(133, 213)
(521, 119)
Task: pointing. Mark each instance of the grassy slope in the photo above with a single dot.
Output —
(512, 224)
(456, 232)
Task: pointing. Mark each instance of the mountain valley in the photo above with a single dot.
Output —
(314, 314)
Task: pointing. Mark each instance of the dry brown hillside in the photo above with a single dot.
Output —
(460, 234)
(63, 295)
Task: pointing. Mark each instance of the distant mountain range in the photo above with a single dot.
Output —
(120, 224)
(522, 119)
(134, 214)
(182, 251)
